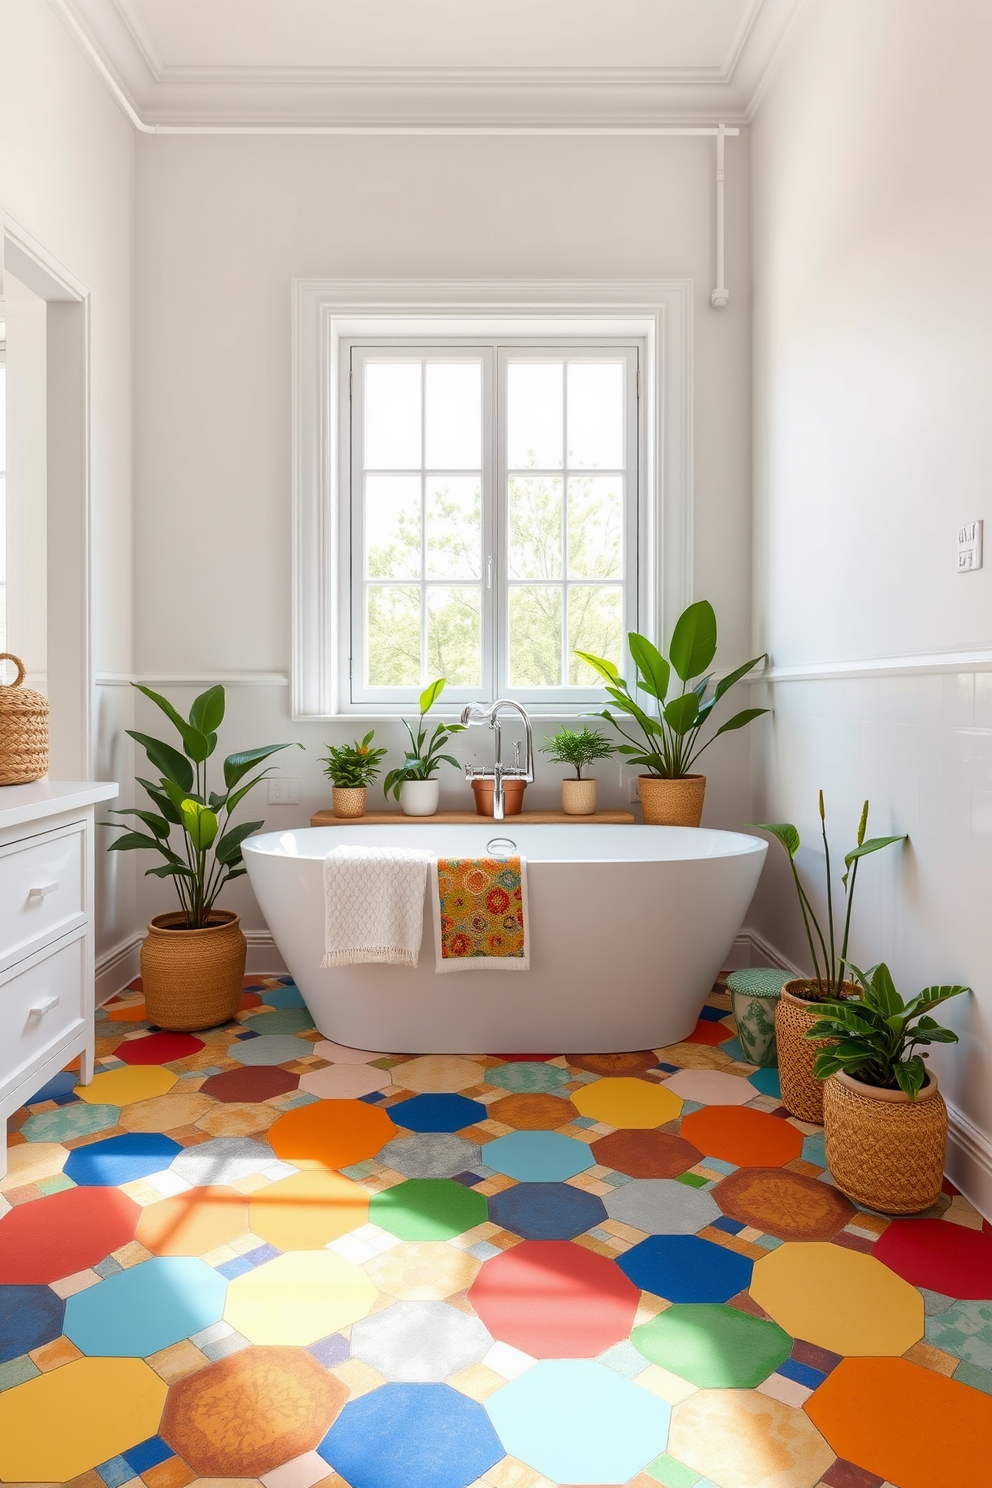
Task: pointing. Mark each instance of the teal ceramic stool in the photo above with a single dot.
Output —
(754, 992)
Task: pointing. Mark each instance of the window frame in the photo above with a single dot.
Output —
(328, 312)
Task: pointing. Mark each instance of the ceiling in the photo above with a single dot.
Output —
(394, 64)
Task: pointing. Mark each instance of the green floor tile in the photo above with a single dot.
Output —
(671, 1473)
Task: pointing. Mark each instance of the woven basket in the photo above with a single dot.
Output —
(578, 797)
(23, 730)
(350, 800)
(884, 1150)
(802, 1092)
(192, 978)
(672, 803)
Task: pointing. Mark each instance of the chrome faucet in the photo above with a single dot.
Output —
(478, 713)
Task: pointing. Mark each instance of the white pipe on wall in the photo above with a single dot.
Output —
(720, 296)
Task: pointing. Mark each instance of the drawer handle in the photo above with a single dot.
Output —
(39, 1009)
(40, 890)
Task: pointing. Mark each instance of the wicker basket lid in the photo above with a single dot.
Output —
(15, 697)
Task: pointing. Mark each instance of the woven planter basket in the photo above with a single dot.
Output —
(802, 1092)
(578, 797)
(672, 803)
(192, 978)
(349, 800)
(884, 1150)
(23, 730)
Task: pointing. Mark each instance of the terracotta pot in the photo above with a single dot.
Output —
(192, 978)
(513, 796)
(419, 797)
(349, 800)
(672, 803)
(578, 797)
(884, 1150)
(802, 1092)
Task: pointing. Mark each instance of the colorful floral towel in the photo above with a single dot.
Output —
(480, 914)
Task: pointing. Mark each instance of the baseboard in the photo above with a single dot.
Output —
(114, 969)
(751, 949)
(263, 956)
(969, 1160)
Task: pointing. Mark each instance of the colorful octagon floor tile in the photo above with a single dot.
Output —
(538, 1156)
(743, 1136)
(269, 1049)
(576, 1421)
(342, 1054)
(165, 1112)
(431, 1155)
(251, 1412)
(345, 1081)
(964, 1330)
(712, 1345)
(101, 1407)
(334, 1133)
(146, 1308)
(790, 1206)
(438, 1072)
(684, 1268)
(532, 1112)
(120, 1087)
(908, 1425)
(633, 1063)
(553, 1299)
(57, 1088)
(412, 1436)
(286, 996)
(68, 1122)
(746, 1439)
(281, 1021)
(247, 1119)
(64, 1233)
(438, 1113)
(158, 1048)
(646, 1154)
(944, 1257)
(528, 1077)
(29, 1317)
(298, 1298)
(428, 1209)
(258, 1082)
(306, 1211)
(627, 1103)
(661, 1206)
(423, 1271)
(420, 1341)
(709, 1031)
(30, 1161)
(546, 1211)
(839, 1299)
(222, 1160)
(194, 1222)
(711, 1087)
(120, 1159)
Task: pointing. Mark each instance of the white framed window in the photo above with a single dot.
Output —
(487, 478)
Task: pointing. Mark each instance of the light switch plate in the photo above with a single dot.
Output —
(969, 547)
(633, 789)
(283, 791)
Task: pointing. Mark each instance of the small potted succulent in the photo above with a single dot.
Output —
(798, 1007)
(414, 783)
(885, 1122)
(579, 750)
(351, 769)
(671, 795)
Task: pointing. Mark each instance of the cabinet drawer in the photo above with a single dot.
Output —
(42, 895)
(41, 1006)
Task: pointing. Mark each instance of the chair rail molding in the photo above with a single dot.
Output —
(922, 663)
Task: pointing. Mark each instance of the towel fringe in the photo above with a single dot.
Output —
(383, 955)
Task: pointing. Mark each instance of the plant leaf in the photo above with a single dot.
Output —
(200, 823)
(195, 743)
(207, 712)
(681, 713)
(237, 765)
(161, 800)
(784, 831)
(654, 672)
(173, 765)
(430, 694)
(739, 720)
(910, 1075)
(727, 682)
(693, 644)
(599, 664)
(872, 845)
(170, 870)
(131, 841)
(228, 849)
(156, 824)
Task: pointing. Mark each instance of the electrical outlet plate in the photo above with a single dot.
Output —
(283, 791)
(969, 547)
(633, 789)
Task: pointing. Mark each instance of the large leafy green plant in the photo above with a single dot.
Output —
(877, 1035)
(207, 853)
(828, 962)
(670, 744)
(424, 755)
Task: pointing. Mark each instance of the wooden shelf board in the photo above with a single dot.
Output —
(524, 818)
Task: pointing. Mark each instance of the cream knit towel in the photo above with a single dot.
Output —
(374, 905)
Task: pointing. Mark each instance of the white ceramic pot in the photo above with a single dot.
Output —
(419, 797)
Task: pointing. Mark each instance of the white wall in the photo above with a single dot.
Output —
(873, 355)
(225, 224)
(66, 176)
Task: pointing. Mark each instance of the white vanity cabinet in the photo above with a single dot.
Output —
(46, 936)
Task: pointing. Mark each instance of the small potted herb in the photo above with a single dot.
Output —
(884, 1120)
(578, 749)
(798, 1007)
(351, 769)
(414, 783)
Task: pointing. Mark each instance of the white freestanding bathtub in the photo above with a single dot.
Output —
(629, 925)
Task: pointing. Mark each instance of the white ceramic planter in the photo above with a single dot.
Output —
(419, 797)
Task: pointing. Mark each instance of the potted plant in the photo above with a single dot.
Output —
(797, 1009)
(671, 795)
(885, 1122)
(193, 961)
(351, 769)
(578, 749)
(414, 783)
